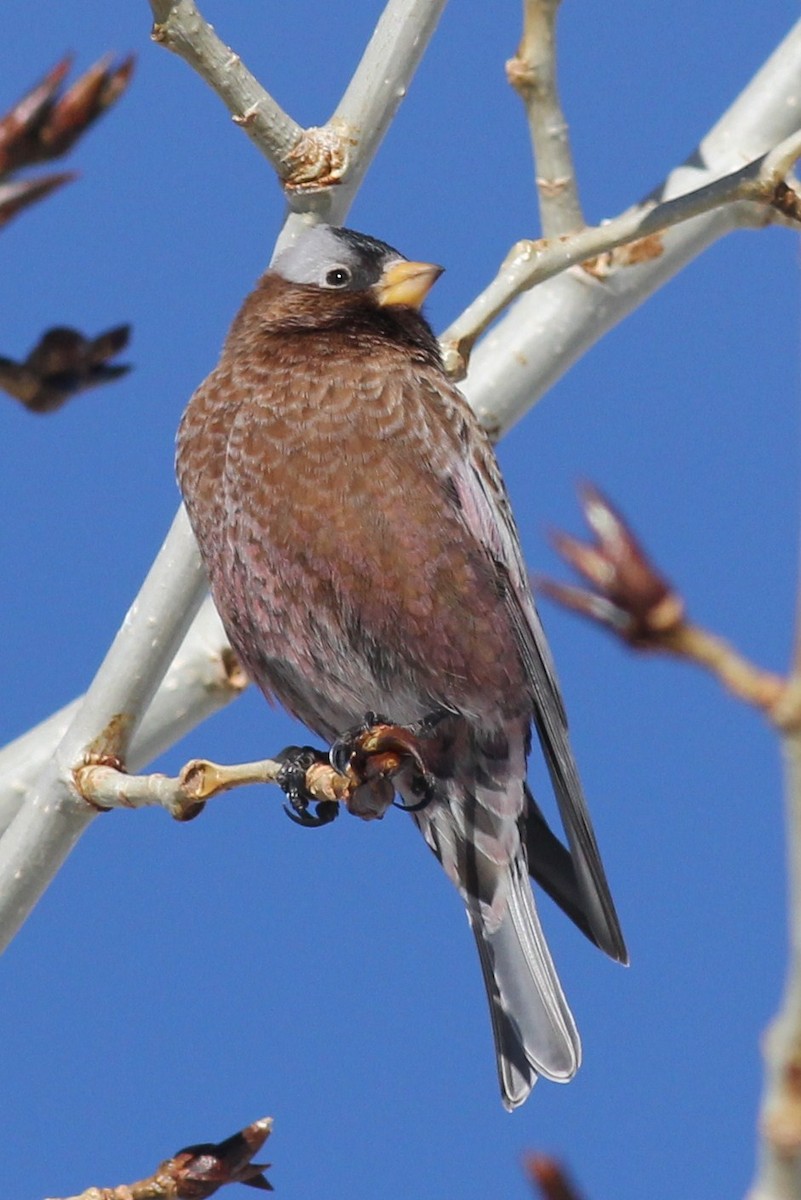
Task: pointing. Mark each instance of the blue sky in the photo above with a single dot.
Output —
(179, 981)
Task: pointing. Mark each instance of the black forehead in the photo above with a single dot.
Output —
(364, 246)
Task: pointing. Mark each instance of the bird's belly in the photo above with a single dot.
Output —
(298, 643)
(356, 588)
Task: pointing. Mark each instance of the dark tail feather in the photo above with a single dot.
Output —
(550, 865)
(534, 1030)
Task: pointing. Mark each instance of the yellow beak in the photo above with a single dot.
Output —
(406, 283)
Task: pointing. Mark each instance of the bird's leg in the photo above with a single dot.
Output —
(296, 761)
(347, 744)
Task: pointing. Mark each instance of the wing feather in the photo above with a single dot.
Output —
(485, 508)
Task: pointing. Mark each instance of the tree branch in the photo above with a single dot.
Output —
(532, 73)
(180, 27)
(314, 160)
(546, 330)
(778, 1174)
(509, 370)
(54, 815)
(202, 678)
(530, 263)
(197, 1172)
(380, 83)
(363, 780)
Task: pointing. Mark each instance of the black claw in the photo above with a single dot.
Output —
(423, 784)
(296, 761)
(340, 752)
(325, 812)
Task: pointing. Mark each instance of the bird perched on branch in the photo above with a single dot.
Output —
(363, 557)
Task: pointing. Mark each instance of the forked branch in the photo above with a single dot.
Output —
(532, 262)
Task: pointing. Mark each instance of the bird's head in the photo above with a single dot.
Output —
(337, 261)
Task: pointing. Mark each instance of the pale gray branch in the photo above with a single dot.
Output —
(532, 73)
(778, 1175)
(530, 263)
(202, 678)
(380, 83)
(521, 356)
(53, 814)
(548, 329)
(181, 28)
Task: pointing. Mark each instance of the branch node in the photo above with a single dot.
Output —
(786, 201)
(521, 76)
(319, 159)
(235, 675)
(248, 117)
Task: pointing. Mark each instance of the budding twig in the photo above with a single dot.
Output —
(550, 1179)
(62, 364)
(532, 262)
(632, 599)
(46, 123)
(197, 1172)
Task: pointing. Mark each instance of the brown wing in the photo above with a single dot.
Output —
(485, 508)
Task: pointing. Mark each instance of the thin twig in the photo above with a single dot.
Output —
(778, 1173)
(198, 781)
(197, 1172)
(530, 263)
(376, 754)
(180, 27)
(548, 329)
(629, 597)
(532, 73)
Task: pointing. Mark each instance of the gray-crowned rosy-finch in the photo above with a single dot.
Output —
(363, 557)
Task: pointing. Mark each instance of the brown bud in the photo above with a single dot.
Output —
(61, 364)
(198, 1171)
(44, 125)
(549, 1178)
(628, 594)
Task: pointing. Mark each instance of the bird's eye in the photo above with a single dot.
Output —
(338, 277)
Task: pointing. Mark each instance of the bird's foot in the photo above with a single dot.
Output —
(371, 755)
(292, 779)
(346, 745)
